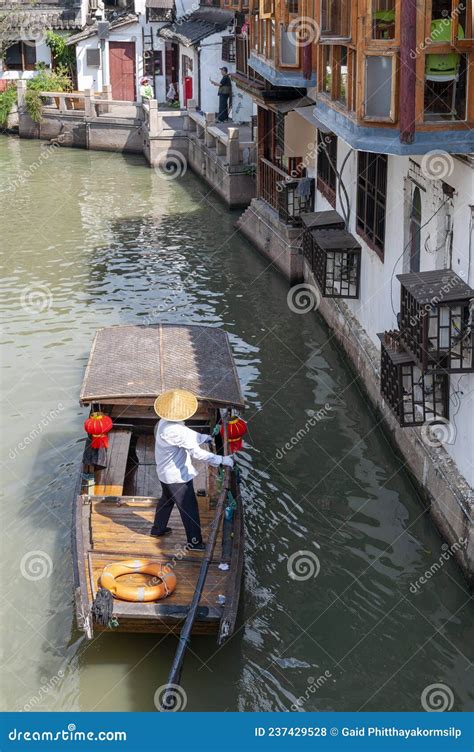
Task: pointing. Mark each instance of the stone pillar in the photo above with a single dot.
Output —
(189, 124)
(210, 120)
(233, 146)
(154, 124)
(21, 91)
(106, 94)
(89, 106)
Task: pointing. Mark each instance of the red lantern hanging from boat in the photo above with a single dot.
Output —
(97, 426)
(236, 428)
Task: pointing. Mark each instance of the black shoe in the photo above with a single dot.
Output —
(167, 531)
(197, 546)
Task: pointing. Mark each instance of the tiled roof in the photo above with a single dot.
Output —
(202, 23)
(21, 20)
(90, 31)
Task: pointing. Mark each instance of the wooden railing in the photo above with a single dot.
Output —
(269, 175)
(289, 196)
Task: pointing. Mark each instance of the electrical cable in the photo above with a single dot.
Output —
(406, 246)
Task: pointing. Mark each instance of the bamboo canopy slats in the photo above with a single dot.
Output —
(133, 362)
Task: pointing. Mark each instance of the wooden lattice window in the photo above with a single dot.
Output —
(228, 49)
(415, 398)
(327, 163)
(371, 199)
(437, 320)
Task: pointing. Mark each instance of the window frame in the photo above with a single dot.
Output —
(371, 41)
(393, 117)
(361, 225)
(23, 65)
(326, 188)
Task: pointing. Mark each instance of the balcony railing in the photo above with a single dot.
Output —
(291, 197)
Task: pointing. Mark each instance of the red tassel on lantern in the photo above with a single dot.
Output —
(98, 425)
(236, 428)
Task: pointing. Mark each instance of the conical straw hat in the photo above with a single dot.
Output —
(176, 404)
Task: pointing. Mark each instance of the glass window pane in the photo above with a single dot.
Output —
(327, 69)
(288, 47)
(335, 18)
(445, 86)
(378, 86)
(383, 19)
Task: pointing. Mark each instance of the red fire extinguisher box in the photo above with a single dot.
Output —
(188, 89)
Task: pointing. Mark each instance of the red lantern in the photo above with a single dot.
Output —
(236, 428)
(98, 425)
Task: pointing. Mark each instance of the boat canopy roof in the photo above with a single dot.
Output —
(128, 362)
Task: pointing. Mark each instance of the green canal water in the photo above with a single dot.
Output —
(96, 239)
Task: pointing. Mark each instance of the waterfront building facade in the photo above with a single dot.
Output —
(23, 28)
(365, 190)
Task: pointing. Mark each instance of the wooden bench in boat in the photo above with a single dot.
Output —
(110, 480)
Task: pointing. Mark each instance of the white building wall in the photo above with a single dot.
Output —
(93, 78)
(211, 61)
(446, 242)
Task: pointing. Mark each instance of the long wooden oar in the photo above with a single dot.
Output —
(170, 697)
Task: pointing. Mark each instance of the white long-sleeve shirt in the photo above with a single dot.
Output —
(175, 445)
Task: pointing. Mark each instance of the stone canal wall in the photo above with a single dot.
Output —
(169, 139)
(447, 495)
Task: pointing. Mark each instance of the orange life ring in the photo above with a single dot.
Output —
(136, 593)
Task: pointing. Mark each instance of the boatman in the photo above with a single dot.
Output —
(175, 448)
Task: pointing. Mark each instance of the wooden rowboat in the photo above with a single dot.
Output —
(115, 504)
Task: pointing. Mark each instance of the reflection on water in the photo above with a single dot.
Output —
(335, 531)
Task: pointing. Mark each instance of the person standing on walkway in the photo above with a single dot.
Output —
(224, 91)
(175, 446)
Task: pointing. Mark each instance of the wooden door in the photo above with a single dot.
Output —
(122, 70)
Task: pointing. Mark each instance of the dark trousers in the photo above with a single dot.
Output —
(181, 494)
(223, 107)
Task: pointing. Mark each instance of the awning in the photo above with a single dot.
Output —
(308, 114)
(288, 105)
(128, 362)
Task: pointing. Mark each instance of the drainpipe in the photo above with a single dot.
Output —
(198, 79)
(408, 56)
